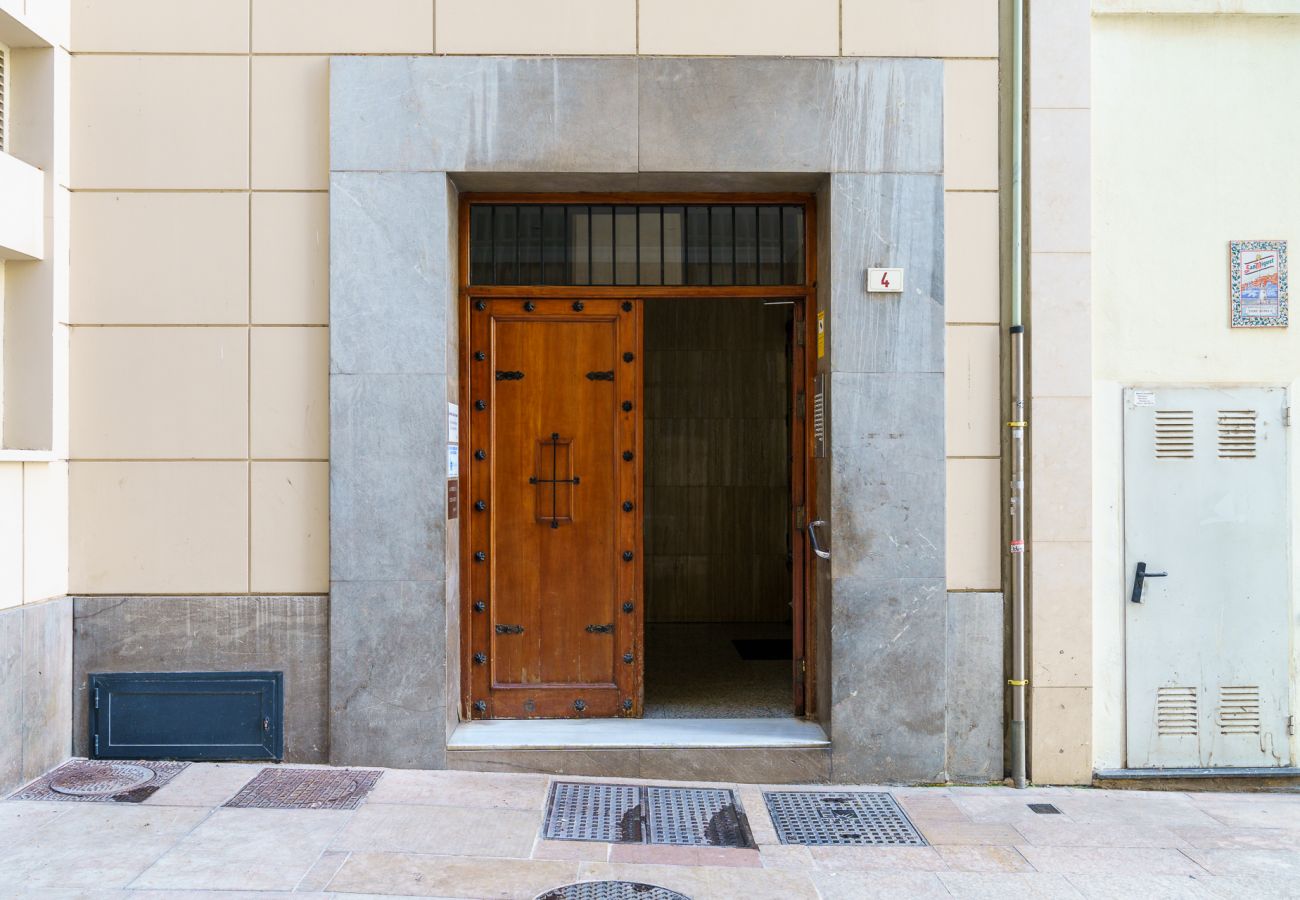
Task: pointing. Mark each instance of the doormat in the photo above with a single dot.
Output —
(611, 890)
(843, 818)
(754, 649)
(628, 814)
(102, 781)
(306, 789)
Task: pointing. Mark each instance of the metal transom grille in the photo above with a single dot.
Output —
(568, 244)
(611, 890)
(840, 817)
(305, 789)
(626, 814)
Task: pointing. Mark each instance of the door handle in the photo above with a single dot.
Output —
(812, 536)
(1139, 577)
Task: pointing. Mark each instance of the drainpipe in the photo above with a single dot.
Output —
(1017, 421)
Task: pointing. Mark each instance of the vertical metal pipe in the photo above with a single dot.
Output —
(1017, 422)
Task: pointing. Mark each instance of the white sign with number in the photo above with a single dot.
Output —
(885, 281)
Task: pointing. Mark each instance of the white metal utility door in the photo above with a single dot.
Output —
(1208, 635)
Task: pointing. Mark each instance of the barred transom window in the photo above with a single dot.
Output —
(684, 244)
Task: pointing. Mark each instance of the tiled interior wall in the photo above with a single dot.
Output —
(199, 164)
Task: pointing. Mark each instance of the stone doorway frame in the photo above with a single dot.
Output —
(407, 134)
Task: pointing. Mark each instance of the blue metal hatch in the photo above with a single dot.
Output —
(187, 715)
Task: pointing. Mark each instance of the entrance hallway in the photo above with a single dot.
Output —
(476, 835)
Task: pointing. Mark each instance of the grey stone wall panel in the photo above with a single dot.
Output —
(465, 113)
(388, 674)
(887, 476)
(976, 686)
(764, 114)
(889, 689)
(212, 634)
(388, 269)
(887, 221)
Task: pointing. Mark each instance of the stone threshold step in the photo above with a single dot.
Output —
(1225, 772)
(627, 734)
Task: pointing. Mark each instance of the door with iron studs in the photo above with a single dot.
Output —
(554, 499)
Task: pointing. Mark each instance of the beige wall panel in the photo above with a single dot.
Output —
(1059, 48)
(974, 525)
(1059, 484)
(159, 258)
(972, 257)
(343, 26)
(159, 527)
(1061, 735)
(159, 122)
(290, 247)
(45, 523)
(11, 534)
(160, 26)
(741, 27)
(536, 26)
(920, 28)
(1062, 324)
(159, 393)
(290, 123)
(1062, 614)
(290, 537)
(290, 393)
(1060, 198)
(970, 124)
(973, 398)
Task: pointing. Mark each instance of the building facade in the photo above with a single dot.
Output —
(256, 250)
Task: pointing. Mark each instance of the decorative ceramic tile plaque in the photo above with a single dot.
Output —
(1259, 290)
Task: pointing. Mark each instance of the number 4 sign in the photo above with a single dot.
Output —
(885, 281)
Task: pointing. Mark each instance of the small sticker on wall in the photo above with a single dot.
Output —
(1144, 398)
(821, 334)
(453, 460)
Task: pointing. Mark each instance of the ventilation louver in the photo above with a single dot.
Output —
(1176, 711)
(1239, 709)
(1237, 433)
(1174, 438)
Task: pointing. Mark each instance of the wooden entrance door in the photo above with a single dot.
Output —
(554, 500)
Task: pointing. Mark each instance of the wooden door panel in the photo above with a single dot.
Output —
(554, 456)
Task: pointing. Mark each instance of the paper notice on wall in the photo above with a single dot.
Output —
(453, 460)
(1144, 398)
(821, 335)
(453, 423)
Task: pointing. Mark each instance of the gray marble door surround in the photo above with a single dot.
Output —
(867, 134)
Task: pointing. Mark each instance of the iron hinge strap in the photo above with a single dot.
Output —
(96, 698)
(1286, 417)
(97, 745)
(1290, 724)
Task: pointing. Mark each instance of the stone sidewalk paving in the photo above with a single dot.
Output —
(472, 835)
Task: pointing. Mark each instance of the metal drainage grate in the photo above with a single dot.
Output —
(611, 890)
(95, 780)
(1045, 809)
(627, 814)
(841, 817)
(305, 789)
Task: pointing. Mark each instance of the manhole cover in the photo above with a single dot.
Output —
(100, 781)
(696, 816)
(305, 789)
(840, 817)
(594, 812)
(611, 890)
(627, 814)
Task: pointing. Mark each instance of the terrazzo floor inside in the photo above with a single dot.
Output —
(694, 671)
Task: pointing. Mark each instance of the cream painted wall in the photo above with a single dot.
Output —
(199, 171)
(1176, 178)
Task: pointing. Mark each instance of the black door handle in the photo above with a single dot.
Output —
(1140, 576)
